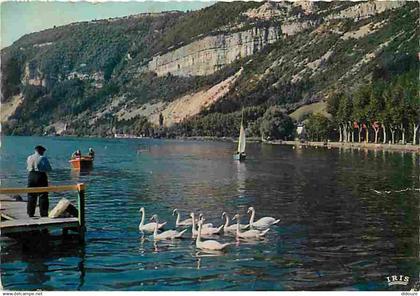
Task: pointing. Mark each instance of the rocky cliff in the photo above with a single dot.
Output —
(210, 54)
(367, 9)
(125, 74)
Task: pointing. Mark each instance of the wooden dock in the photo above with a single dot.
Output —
(14, 219)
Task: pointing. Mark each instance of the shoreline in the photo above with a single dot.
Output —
(343, 145)
(219, 139)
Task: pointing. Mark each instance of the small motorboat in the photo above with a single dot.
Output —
(82, 163)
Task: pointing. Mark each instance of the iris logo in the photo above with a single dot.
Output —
(398, 280)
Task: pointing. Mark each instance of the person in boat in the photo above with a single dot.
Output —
(76, 154)
(91, 153)
(38, 166)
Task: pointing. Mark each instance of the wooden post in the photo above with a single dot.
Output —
(81, 208)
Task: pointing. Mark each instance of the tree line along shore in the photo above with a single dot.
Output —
(379, 112)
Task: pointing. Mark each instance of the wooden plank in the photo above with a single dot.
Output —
(5, 216)
(4, 197)
(11, 208)
(59, 188)
(24, 225)
(36, 221)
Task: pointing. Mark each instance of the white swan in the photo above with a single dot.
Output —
(210, 245)
(205, 231)
(186, 222)
(178, 222)
(205, 225)
(250, 234)
(149, 227)
(166, 235)
(231, 228)
(263, 223)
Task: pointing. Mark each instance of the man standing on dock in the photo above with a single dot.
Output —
(38, 166)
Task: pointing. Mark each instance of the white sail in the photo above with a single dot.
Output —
(242, 141)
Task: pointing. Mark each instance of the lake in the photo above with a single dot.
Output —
(336, 232)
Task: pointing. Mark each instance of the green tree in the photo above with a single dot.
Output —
(333, 106)
(398, 109)
(360, 114)
(389, 111)
(333, 103)
(413, 114)
(318, 127)
(344, 118)
(275, 124)
(11, 71)
(385, 114)
(411, 105)
(374, 110)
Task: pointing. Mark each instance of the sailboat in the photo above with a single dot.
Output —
(240, 154)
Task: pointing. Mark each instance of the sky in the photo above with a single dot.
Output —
(20, 18)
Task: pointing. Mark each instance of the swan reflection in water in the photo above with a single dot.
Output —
(250, 241)
(156, 246)
(141, 244)
(199, 255)
(161, 246)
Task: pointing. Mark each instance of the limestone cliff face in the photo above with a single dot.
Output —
(268, 10)
(367, 9)
(209, 54)
(292, 28)
(271, 9)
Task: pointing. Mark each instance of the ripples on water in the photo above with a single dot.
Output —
(335, 232)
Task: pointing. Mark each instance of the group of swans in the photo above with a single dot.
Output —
(257, 229)
(189, 221)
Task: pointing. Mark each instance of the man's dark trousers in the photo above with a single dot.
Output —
(37, 179)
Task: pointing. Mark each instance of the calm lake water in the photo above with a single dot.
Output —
(335, 233)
